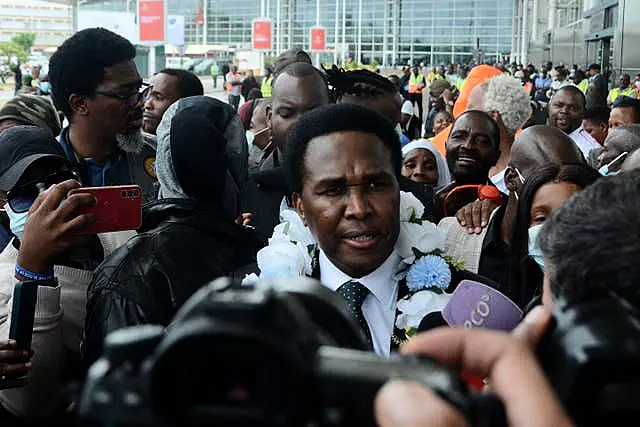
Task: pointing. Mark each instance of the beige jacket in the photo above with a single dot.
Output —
(58, 324)
(463, 246)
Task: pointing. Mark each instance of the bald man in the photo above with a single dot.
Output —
(487, 253)
(623, 139)
(632, 164)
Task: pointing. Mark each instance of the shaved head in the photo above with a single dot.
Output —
(543, 145)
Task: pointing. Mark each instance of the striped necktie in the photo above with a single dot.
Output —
(354, 294)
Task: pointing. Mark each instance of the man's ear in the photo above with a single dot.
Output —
(269, 112)
(511, 179)
(78, 104)
(296, 199)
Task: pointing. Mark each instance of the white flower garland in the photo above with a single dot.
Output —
(292, 248)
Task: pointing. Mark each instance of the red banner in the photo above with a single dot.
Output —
(261, 34)
(151, 21)
(318, 39)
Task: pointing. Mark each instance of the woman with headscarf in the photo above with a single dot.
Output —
(189, 236)
(422, 162)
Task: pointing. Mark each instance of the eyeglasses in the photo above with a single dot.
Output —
(130, 99)
(21, 199)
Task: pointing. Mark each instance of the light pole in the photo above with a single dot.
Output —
(317, 25)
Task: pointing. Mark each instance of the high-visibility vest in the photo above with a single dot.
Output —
(584, 85)
(459, 83)
(616, 92)
(416, 83)
(265, 87)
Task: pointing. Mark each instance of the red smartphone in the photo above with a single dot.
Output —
(118, 208)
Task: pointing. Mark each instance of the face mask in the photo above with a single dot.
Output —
(255, 152)
(604, 170)
(16, 221)
(534, 249)
(637, 84)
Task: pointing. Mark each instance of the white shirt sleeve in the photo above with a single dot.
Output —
(407, 108)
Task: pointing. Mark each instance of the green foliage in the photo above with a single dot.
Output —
(24, 41)
(10, 49)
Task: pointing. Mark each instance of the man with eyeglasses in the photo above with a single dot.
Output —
(97, 86)
(50, 249)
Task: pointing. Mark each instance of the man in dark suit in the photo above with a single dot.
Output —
(342, 166)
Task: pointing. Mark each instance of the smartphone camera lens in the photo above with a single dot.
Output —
(136, 193)
(129, 193)
(124, 194)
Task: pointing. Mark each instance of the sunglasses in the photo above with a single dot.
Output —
(20, 199)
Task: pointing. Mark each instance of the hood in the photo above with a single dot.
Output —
(202, 154)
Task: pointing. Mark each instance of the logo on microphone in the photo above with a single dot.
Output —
(479, 314)
(476, 305)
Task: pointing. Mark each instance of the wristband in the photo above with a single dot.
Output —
(34, 276)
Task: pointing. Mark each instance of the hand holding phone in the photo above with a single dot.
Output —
(54, 225)
(14, 365)
(117, 208)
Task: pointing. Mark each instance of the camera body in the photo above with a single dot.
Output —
(287, 353)
(278, 354)
(591, 355)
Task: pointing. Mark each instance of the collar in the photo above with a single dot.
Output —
(493, 235)
(378, 281)
(75, 158)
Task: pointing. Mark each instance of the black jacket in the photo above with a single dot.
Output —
(180, 247)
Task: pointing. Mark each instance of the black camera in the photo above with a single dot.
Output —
(277, 354)
(591, 355)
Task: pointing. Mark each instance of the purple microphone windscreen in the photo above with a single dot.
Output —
(476, 305)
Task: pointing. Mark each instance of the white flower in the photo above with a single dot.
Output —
(283, 258)
(293, 227)
(409, 205)
(420, 304)
(250, 279)
(424, 237)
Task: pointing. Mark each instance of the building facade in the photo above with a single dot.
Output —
(389, 32)
(51, 22)
(580, 32)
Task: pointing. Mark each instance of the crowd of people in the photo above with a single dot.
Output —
(505, 170)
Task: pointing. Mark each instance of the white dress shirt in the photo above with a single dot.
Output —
(379, 307)
(584, 141)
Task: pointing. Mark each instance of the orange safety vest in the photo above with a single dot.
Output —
(416, 83)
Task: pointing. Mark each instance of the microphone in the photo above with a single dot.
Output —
(476, 305)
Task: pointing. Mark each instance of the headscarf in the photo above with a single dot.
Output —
(444, 176)
(202, 154)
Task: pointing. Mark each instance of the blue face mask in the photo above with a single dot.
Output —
(16, 221)
(534, 249)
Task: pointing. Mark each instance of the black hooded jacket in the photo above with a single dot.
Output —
(189, 236)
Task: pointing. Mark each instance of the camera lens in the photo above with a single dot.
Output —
(123, 194)
(136, 193)
(129, 193)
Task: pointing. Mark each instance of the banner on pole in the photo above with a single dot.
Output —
(261, 38)
(318, 39)
(151, 21)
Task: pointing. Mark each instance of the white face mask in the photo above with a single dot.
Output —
(16, 221)
(255, 152)
(637, 84)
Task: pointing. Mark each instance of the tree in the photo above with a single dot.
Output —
(10, 49)
(24, 41)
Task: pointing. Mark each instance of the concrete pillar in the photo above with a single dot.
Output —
(525, 28)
